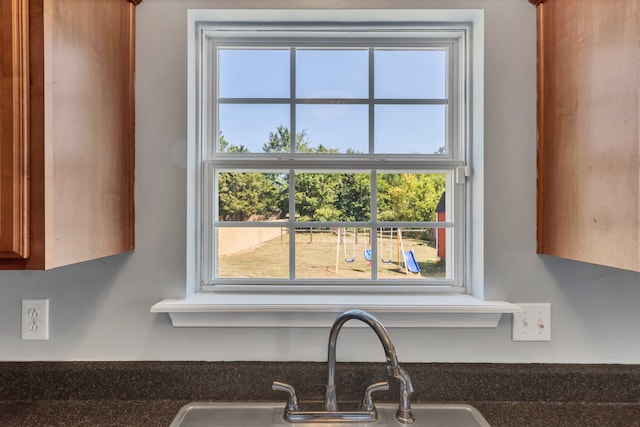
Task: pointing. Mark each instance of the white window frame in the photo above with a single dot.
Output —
(406, 306)
(452, 164)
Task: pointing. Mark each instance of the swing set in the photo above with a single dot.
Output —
(367, 252)
(406, 259)
(342, 239)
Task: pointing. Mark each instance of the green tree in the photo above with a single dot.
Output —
(316, 196)
(409, 196)
(280, 141)
(225, 147)
(315, 192)
(354, 197)
(325, 196)
(243, 194)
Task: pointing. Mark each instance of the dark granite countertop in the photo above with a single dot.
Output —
(151, 393)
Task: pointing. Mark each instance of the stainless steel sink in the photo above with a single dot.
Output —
(248, 414)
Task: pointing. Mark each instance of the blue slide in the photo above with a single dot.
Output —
(410, 261)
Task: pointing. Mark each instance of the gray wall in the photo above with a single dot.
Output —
(100, 309)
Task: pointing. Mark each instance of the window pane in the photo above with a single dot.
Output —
(253, 196)
(410, 197)
(333, 196)
(335, 128)
(253, 73)
(336, 253)
(327, 97)
(252, 252)
(418, 253)
(410, 74)
(410, 129)
(332, 73)
(252, 127)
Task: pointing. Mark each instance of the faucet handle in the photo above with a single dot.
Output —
(367, 401)
(292, 404)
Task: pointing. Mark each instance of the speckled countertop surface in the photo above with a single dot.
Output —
(151, 393)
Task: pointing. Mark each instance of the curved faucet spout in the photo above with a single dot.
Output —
(393, 367)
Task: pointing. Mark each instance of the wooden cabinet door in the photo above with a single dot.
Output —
(589, 131)
(14, 128)
(66, 131)
(81, 130)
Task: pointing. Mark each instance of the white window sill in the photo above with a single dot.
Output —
(320, 310)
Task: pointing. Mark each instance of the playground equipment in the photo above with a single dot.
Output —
(406, 259)
(390, 239)
(411, 265)
(342, 236)
(367, 252)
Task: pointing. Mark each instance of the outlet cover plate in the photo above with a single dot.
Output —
(35, 319)
(532, 323)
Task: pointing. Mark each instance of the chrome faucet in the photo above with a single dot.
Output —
(367, 411)
(393, 367)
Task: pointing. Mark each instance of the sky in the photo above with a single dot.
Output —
(335, 74)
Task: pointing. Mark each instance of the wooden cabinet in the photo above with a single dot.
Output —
(589, 130)
(67, 131)
(14, 114)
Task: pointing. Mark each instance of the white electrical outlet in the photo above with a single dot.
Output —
(533, 323)
(35, 319)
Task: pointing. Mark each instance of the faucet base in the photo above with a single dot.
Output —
(334, 417)
(405, 416)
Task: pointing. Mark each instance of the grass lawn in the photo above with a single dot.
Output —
(316, 259)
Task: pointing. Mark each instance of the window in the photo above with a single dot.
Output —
(333, 155)
(384, 175)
